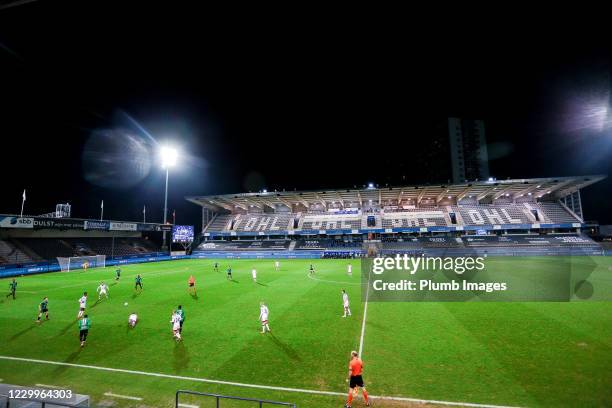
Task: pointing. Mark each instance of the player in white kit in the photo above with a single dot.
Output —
(254, 274)
(133, 319)
(102, 290)
(263, 318)
(82, 305)
(176, 325)
(276, 265)
(345, 303)
(349, 270)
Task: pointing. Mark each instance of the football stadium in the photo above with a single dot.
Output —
(301, 245)
(210, 210)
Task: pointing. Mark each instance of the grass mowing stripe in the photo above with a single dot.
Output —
(128, 397)
(80, 284)
(237, 384)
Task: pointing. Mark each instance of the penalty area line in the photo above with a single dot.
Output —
(237, 384)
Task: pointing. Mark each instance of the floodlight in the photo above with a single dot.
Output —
(168, 155)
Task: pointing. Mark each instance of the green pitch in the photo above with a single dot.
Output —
(520, 354)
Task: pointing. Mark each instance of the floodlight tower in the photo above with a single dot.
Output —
(169, 156)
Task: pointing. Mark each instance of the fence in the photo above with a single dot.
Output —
(218, 398)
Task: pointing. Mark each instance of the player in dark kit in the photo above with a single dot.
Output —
(216, 267)
(138, 282)
(229, 273)
(117, 273)
(84, 325)
(43, 307)
(356, 380)
(12, 288)
(312, 270)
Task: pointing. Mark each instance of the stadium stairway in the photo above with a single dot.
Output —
(26, 250)
(10, 253)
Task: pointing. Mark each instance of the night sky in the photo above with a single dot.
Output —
(254, 102)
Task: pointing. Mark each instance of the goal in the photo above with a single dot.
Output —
(77, 262)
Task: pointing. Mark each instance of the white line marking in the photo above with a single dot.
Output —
(128, 397)
(333, 281)
(263, 387)
(365, 312)
(49, 386)
(188, 405)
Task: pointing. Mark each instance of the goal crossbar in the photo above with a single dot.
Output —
(81, 262)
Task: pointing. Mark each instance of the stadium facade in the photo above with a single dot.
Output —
(498, 217)
(539, 214)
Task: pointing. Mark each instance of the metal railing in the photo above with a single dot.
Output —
(219, 397)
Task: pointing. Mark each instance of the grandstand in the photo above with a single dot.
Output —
(503, 214)
(10, 254)
(33, 244)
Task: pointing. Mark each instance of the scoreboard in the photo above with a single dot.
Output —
(182, 233)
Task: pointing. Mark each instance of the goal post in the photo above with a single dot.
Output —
(79, 262)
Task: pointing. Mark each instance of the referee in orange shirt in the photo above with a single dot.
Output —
(355, 380)
(191, 283)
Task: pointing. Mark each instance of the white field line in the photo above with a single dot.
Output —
(49, 386)
(333, 281)
(128, 397)
(188, 405)
(365, 312)
(237, 384)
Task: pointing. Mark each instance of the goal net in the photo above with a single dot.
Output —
(81, 262)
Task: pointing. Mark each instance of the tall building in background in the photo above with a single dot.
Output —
(468, 149)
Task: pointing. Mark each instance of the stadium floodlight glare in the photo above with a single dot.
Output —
(169, 156)
(370, 185)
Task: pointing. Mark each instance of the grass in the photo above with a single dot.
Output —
(527, 354)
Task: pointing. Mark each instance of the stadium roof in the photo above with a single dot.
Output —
(555, 187)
